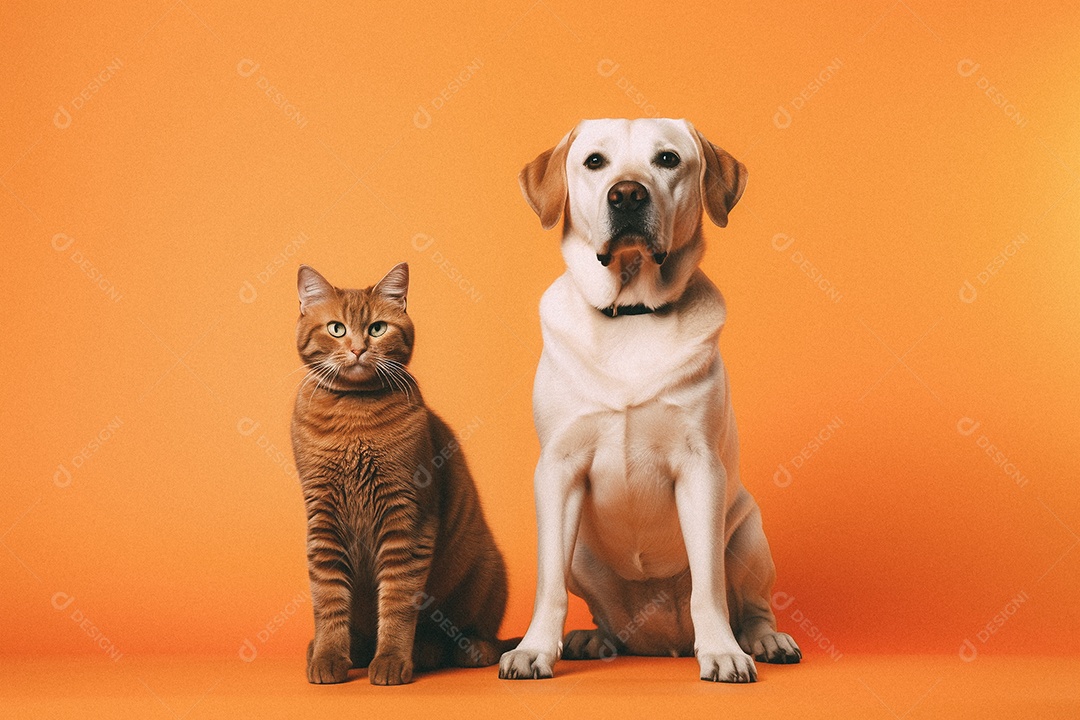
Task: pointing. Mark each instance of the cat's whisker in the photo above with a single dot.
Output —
(393, 383)
(312, 373)
(408, 393)
(319, 383)
(310, 378)
(326, 379)
(286, 377)
(321, 377)
(402, 372)
(320, 364)
(387, 372)
(403, 380)
(385, 379)
(337, 370)
(401, 366)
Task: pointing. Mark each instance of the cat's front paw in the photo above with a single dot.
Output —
(325, 669)
(390, 670)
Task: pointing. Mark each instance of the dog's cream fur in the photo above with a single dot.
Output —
(638, 497)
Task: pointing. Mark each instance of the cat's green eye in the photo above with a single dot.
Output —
(377, 328)
(335, 328)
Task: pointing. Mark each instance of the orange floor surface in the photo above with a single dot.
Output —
(897, 687)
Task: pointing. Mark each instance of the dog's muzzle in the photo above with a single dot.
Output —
(629, 206)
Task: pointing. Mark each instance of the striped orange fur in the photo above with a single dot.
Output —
(404, 570)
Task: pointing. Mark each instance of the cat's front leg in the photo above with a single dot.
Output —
(330, 574)
(403, 563)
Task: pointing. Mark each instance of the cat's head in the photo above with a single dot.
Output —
(354, 339)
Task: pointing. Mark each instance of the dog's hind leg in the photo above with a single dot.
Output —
(751, 573)
(589, 645)
(649, 617)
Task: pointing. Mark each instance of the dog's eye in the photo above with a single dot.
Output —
(335, 328)
(595, 161)
(667, 159)
(377, 328)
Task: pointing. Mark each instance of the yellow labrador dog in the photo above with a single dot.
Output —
(638, 499)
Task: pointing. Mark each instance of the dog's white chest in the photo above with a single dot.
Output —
(629, 516)
(637, 392)
(636, 362)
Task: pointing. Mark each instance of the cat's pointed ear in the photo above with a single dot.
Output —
(395, 284)
(312, 287)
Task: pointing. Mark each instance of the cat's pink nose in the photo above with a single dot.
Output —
(357, 352)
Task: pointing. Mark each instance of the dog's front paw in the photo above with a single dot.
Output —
(326, 669)
(390, 670)
(525, 664)
(735, 667)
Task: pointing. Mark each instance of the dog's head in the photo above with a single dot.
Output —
(633, 186)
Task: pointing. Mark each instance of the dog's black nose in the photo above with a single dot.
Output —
(627, 195)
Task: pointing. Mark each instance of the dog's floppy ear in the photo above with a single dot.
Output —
(543, 182)
(723, 179)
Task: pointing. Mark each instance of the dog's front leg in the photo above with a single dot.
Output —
(700, 491)
(560, 489)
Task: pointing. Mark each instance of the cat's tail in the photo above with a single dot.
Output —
(482, 653)
(508, 645)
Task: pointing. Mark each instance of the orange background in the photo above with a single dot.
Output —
(184, 184)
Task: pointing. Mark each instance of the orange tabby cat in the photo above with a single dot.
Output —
(404, 570)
